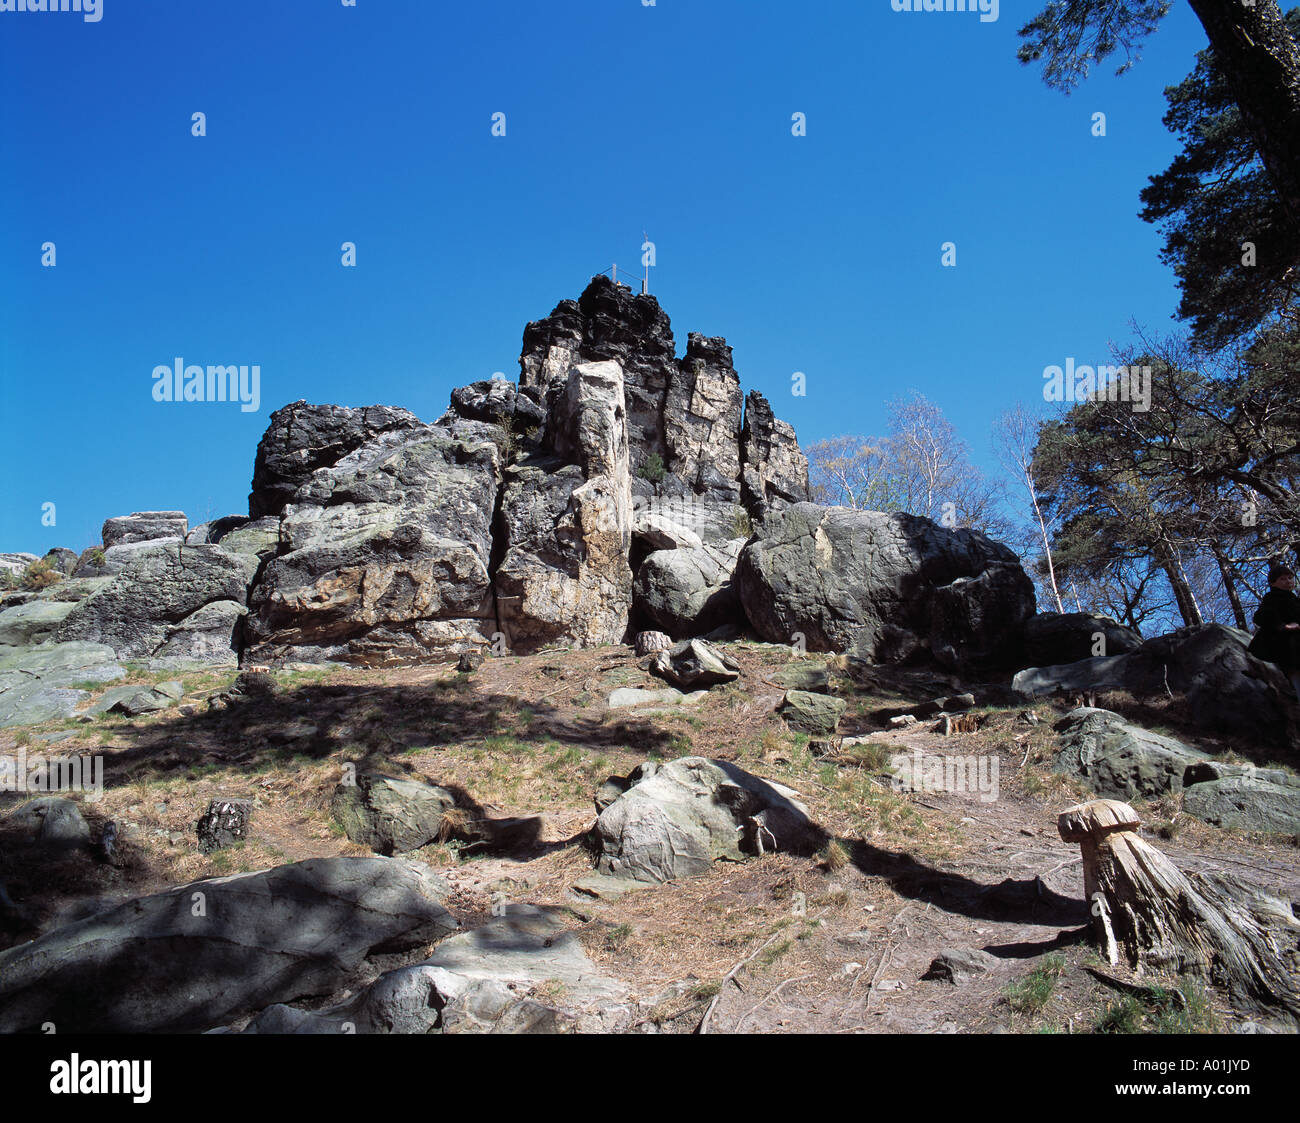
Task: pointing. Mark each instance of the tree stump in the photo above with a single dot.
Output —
(1213, 926)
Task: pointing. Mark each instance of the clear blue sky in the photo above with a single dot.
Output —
(372, 124)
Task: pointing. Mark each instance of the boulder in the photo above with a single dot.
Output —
(210, 635)
(162, 586)
(385, 555)
(631, 697)
(1246, 802)
(1226, 689)
(206, 953)
(34, 703)
(63, 560)
(960, 965)
(804, 675)
(50, 822)
(303, 438)
(391, 815)
(33, 622)
(564, 577)
(689, 591)
(882, 586)
(482, 981)
(495, 401)
(136, 701)
(693, 664)
(237, 534)
(1119, 760)
(1052, 638)
(815, 714)
(225, 823)
(144, 526)
(675, 820)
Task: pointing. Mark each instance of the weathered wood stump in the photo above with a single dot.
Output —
(1210, 925)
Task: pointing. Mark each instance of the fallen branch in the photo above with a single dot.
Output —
(770, 995)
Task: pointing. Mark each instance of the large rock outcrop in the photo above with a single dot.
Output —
(775, 471)
(385, 552)
(167, 600)
(566, 522)
(302, 438)
(883, 587)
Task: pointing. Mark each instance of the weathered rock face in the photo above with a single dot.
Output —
(151, 965)
(385, 554)
(144, 526)
(497, 402)
(608, 323)
(166, 599)
(1119, 760)
(881, 586)
(702, 416)
(1226, 688)
(687, 413)
(567, 527)
(688, 591)
(775, 471)
(302, 438)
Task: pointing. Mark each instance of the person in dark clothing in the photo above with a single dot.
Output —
(1277, 624)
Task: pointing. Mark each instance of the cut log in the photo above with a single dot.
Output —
(1213, 926)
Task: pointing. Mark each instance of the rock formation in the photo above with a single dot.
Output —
(885, 587)
(612, 491)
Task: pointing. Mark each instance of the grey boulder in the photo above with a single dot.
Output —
(144, 526)
(391, 815)
(882, 586)
(1246, 802)
(1119, 760)
(675, 820)
(206, 953)
(693, 664)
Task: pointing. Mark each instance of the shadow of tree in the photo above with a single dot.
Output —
(1027, 901)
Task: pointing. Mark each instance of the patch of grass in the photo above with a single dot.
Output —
(833, 856)
(550, 989)
(616, 937)
(771, 954)
(873, 756)
(1120, 1015)
(1030, 994)
(1033, 783)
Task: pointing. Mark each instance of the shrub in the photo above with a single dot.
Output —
(652, 468)
(741, 526)
(41, 575)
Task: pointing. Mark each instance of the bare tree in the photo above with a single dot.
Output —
(1015, 434)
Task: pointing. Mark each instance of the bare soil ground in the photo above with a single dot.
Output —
(836, 943)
